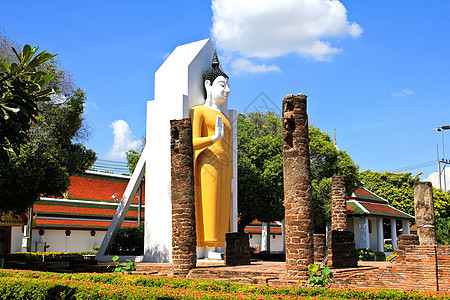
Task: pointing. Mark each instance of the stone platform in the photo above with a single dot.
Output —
(259, 272)
(423, 268)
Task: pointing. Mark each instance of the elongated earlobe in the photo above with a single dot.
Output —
(208, 90)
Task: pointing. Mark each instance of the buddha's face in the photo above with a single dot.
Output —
(218, 90)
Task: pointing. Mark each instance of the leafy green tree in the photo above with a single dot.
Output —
(22, 86)
(260, 170)
(327, 161)
(49, 147)
(397, 188)
(443, 231)
(59, 129)
(27, 176)
(133, 157)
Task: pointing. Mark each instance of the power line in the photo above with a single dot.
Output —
(413, 167)
(112, 162)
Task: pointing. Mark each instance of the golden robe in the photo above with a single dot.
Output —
(213, 171)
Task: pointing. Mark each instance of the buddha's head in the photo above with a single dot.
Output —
(215, 83)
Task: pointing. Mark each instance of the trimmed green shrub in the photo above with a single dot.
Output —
(365, 254)
(49, 256)
(15, 284)
(380, 256)
(129, 241)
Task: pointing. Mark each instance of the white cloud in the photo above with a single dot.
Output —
(403, 93)
(124, 140)
(240, 65)
(266, 28)
(434, 179)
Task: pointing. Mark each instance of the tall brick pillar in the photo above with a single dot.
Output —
(338, 204)
(424, 210)
(297, 187)
(319, 247)
(341, 243)
(184, 240)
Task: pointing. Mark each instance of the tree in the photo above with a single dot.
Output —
(443, 231)
(22, 86)
(327, 161)
(49, 149)
(260, 170)
(397, 188)
(133, 157)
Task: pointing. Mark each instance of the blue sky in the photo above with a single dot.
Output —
(376, 71)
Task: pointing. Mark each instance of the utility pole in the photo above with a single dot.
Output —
(444, 161)
(439, 165)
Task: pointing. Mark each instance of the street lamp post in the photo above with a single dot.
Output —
(441, 129)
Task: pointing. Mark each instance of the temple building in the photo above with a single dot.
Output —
(76, 222)
(374, 222)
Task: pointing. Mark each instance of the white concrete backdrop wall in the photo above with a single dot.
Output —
(79, 240)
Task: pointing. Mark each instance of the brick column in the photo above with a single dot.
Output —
(424, 210)
(338, 204)
(403, 241)
(184, 239)
(297, 187)
(237, 249)
(341, 249)
(319, 248)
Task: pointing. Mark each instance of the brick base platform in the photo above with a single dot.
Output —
(425, 268)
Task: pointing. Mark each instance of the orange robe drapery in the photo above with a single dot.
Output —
(213, 171)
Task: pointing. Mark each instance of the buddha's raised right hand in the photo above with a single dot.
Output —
(219, 132)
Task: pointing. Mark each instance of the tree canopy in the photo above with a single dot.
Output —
(41, 132)
(260, 170)
(21, 88)
(398, 189)
(327, 161)
(133, 156)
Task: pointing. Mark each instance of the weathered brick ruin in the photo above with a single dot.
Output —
(237, 249)
(319, 247)
(297, 187)
(184, 242)
(403, 241)
(341, 243)
(424, 213)
(425, 268)
(338, 204)
(341, 249)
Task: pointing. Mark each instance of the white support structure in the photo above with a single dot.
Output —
(394, 233)
(405, 225)
(283, 235)
(178, 87)
(380, 234)
(265, 237)
(356, 230)
(364, 232)
(123, 207)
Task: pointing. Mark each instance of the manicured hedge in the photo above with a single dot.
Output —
(16, 284)
(48, 256)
